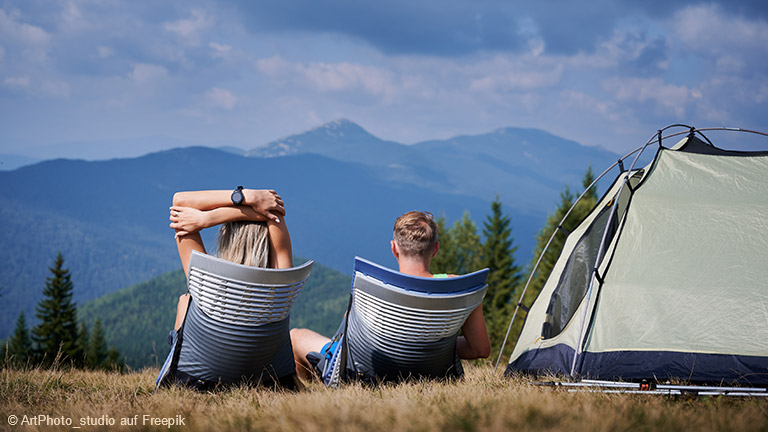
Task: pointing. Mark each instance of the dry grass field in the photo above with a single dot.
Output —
(47, 400)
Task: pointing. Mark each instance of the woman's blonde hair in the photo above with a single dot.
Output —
(244, 243)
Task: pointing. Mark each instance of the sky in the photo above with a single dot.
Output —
(121, 78)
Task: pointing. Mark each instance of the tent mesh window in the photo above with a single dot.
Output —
(576, 275)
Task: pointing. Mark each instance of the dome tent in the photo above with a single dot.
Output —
(667, 277)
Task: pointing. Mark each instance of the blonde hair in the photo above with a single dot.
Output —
(415, 234)
(244, 243)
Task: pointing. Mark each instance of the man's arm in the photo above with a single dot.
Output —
(475, 342)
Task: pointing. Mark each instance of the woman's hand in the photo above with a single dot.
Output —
(265, 202)
(187, 220)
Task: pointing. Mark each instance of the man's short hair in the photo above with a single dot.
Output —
(415, 233)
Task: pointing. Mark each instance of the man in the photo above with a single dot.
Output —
(414, 244)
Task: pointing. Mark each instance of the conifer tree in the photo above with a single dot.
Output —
(460, 247)
(445, 260)
(19, 345)
(97, 347)
(57, 332)
(498, 256)
(582, 209)
(83, 341)
(113, 361)
(467, 246)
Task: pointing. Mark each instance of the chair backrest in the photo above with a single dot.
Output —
(245, 295)
(402, 326)
(237, 324)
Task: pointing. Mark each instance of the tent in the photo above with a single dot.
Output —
(667, 277)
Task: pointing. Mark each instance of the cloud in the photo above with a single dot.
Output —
(582, 101)
(48, 88)
(669, 97)
(331, 77)
(450, 29)
(503, 74)
(147, 74)
(71, 18)
(55, 89)
(104, 52)
(347, 76)
(221, 98)
(190, 28)
(16, 82)
(220, 50)
(25, 33)
(731, 42)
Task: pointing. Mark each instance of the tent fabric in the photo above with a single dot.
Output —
(399, 326)
(683, 290)
(237, 325)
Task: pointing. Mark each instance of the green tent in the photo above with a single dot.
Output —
(666, 278)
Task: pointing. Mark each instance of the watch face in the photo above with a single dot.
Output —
(237, 197)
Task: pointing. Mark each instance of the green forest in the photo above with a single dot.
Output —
(57, 340)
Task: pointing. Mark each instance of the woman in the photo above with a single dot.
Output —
(252, 231)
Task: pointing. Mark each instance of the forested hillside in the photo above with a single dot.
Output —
(137, 319)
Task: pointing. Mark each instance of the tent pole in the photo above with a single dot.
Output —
(650, 388)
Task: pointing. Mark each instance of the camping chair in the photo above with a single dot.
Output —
(399, 326)
(237, 326)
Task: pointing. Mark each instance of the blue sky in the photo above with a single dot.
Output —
(127, 77)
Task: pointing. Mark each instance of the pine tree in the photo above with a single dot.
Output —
(498, 256)
(97, 347)
(460, 247)
(113, 361)
(19, 345)
(445, 260)
(582, 209)
(83, 341)
(57, 332)
(467, 246)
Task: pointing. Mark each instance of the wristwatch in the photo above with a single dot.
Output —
(237, 196)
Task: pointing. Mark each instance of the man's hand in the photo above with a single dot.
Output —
(265, 202)
(187, 220)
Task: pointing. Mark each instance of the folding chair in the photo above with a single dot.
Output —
(237, 325)
(399, 326)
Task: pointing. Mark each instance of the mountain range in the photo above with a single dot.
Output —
(343, 189)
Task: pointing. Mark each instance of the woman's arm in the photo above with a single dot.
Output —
(475, 342)
(266, 202)
(193, 211)
(187, 220)
(280, 251)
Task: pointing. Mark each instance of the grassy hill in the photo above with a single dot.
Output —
(480, 402)
(137, 319)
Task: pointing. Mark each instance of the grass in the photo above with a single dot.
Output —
(482, 401)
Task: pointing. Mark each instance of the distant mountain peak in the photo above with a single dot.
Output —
(339, 128)
(341, 132)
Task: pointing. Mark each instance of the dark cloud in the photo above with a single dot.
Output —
(650, 61)
(399, 27)
(434, 27)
